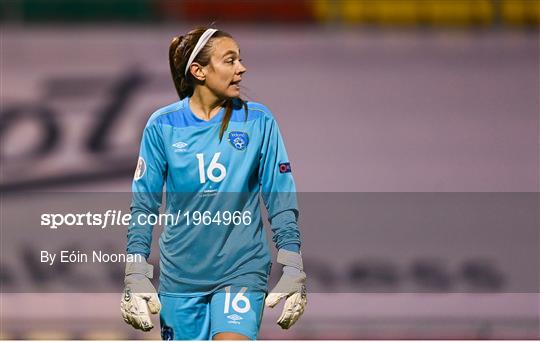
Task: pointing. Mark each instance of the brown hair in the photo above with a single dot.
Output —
(179, 52)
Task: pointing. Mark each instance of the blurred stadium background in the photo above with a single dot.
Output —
(433, 96)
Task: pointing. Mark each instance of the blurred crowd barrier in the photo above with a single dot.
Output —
(385, 13)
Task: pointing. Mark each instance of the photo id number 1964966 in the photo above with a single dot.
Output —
(225, 218)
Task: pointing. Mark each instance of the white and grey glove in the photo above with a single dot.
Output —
(292, 286)
(140, 296)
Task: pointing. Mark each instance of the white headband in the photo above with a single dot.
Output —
(200, 44)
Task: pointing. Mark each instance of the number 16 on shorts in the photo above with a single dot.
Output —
(239, 311)
(240, 303)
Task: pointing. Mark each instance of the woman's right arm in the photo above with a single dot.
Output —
(147, 189)
(140, 297)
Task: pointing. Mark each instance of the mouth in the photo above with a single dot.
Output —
(236, 83)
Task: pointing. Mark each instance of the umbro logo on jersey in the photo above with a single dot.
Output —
(234, 318)
(180, 146)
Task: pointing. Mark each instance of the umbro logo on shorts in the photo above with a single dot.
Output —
(234, 318)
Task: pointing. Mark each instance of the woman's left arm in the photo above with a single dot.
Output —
(279, 196)
(278, 189)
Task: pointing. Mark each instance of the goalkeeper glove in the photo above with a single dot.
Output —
(291, 286)
(139, 296)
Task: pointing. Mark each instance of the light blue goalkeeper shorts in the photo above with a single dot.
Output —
(200, 318)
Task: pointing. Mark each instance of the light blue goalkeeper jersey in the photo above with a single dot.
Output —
(214, 235)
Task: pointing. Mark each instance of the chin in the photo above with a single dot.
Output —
(234, 95)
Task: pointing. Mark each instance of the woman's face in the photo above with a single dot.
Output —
(225, 70)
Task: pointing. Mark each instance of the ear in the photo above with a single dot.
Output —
(198, 71)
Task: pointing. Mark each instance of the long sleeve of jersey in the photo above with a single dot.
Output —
(278, 189)
(147, 190)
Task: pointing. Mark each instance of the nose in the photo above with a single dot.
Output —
(242, 69)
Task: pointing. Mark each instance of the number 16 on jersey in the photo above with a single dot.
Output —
(214, 165)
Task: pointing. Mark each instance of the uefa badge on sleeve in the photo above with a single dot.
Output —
(285, 167)
(140, 170)
(239, 140)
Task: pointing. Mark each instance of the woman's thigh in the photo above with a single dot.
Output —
(185, 318)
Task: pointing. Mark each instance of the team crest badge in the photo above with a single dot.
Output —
(239, 140)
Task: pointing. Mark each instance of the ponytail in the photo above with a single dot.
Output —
(228, 113)
(177, 77)
(226, 118)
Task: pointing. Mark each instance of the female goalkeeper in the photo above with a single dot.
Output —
(216, 153)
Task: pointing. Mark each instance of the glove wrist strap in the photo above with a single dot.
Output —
(288, 258)
(140, 267)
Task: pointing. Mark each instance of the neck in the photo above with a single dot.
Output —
(205, 104)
